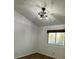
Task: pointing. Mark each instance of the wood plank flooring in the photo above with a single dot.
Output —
(36, 56)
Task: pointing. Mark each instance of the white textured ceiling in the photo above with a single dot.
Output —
(30, 9)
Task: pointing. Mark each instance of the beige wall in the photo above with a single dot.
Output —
(25, 36)
(56, 51)
(29, 38)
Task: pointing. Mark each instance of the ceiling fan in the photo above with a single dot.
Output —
(45, 13)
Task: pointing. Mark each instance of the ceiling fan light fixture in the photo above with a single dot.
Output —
(43, 14)
(41, 18)
(46, 18)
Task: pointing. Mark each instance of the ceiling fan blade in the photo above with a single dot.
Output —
(33, 3)
(44, 3)
(59, 17)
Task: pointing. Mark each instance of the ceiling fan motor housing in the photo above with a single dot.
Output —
(43, 9)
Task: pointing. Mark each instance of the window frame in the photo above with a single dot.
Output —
(55, 31)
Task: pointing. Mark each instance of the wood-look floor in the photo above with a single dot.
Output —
(36, 56)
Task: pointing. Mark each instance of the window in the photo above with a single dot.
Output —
(56, 37)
